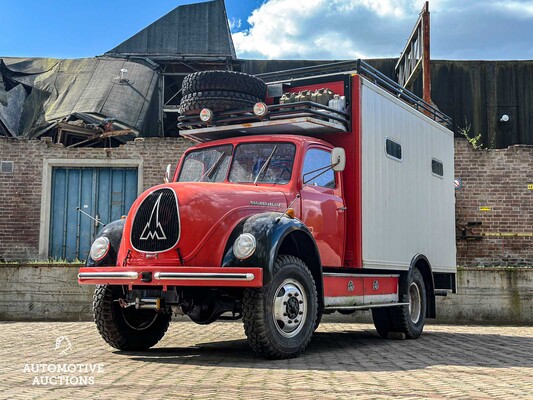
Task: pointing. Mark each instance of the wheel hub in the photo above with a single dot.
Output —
(293, 307)
(290, 306)
(415, 302)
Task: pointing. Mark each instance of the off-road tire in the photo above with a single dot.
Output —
(224, 80)
(402, 321)
(383, 321)
(112, 325)
(258, 312)
(399, 319)
(216, 101)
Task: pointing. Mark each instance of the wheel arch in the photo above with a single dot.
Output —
(421, 262)
(113, 231)
(300, 244)
(277, 234)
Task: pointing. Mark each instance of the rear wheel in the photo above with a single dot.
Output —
(279, 319)
(409, 319)
(126, 328)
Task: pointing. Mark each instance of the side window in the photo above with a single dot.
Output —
(393, 149)
(316, 170)
(437, 168)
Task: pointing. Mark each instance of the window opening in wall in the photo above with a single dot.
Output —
(6, 167)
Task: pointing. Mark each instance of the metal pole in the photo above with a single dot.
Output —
(426, 63)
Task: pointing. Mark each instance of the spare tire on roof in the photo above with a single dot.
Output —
(216, 101)
(224, 80)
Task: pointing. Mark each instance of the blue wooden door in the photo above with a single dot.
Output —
(105, 193)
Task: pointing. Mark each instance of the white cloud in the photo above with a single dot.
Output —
(347, 29)
(234, 24)
(520, 9)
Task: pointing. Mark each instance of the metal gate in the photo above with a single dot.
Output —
(104, 193)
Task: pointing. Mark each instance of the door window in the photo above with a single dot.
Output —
(317, 169)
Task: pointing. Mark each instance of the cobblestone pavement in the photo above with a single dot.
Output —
(344, 361)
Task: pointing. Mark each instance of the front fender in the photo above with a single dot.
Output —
(269, 229)
(113, 231)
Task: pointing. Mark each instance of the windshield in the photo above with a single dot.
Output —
(252, 163)
(206, 165)
(262, 163)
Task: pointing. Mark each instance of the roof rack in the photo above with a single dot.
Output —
(362, 68)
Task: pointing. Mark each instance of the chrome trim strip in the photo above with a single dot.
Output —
(341, 275)
(366, 306)
(204, 276)
(108, 275)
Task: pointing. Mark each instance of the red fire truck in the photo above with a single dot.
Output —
(286, 211)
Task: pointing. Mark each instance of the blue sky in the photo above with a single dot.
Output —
(282, 29)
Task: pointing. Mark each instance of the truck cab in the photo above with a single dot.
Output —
(265, 221)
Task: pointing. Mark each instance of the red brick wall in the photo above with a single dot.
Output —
(497, 179)
(492, 178)
(20, 192)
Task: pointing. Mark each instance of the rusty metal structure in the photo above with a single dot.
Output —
(132, 90)
(416, 56)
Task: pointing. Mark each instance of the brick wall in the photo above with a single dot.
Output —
(491, 178)
(20, 192)
(498, 180)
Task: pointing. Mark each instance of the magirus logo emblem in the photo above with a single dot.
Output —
(153, 228)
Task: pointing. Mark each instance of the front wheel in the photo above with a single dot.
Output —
(126, 328)
(279, 319)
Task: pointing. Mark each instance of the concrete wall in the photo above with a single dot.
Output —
(485, 295)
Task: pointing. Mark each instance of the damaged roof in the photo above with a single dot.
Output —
(196, 30)
(37, 92)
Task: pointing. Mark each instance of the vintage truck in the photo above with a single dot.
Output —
(285, 212)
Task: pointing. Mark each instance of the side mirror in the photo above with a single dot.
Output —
(166, 177)
(338, 159)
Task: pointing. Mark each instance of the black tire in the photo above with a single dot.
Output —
(267, 334)
(224, 80)
(408, 320)
(126, 329)
(216, 101)
(319, 315)
(382, 321)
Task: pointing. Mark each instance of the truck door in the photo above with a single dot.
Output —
(322, 206)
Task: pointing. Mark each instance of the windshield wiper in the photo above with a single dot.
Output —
(265, 165)
(209, 173)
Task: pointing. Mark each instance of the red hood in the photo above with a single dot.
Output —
(208, 212)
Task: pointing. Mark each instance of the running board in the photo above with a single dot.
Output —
(364, 307)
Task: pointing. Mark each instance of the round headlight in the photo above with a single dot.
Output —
(244, 246)
(260, 109)
(99, 248)
(206, 115)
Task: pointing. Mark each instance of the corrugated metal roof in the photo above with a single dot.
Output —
(195, 30)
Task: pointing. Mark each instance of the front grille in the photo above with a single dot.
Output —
(156, 226)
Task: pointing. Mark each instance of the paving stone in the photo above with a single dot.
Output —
(343, 361)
